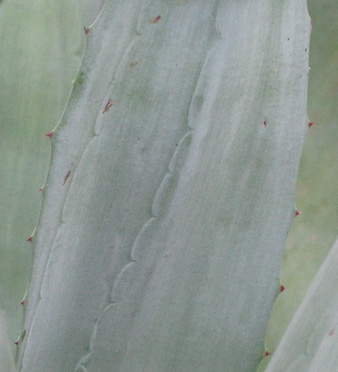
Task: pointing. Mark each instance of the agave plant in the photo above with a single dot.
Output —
(41, 48)
(170, 190)
(310, 342)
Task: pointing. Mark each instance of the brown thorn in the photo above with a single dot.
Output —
(109, 104)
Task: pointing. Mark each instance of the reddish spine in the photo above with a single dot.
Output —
(155, 20)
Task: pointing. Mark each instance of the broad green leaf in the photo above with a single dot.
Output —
(310, 342)
(170, 191)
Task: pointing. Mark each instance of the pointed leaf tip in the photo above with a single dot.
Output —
(86, 30)
(30, 239)
(50, 134)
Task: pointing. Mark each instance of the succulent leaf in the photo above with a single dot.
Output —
(41, 49)
(310, 342)
(165, 213)
(314, 232)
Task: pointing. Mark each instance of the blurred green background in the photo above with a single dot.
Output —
(42, 46)
(42, 43)
(313, 232)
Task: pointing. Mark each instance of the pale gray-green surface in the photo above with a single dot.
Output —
(6, 355)
(42, 44)
(313, 233)
(161, 251)
(310, 342)
(35, 85)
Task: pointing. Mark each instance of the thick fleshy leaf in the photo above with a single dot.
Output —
(311, 341)
(42, 43)
(314, 231)
(89, 10)
(170, 191)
